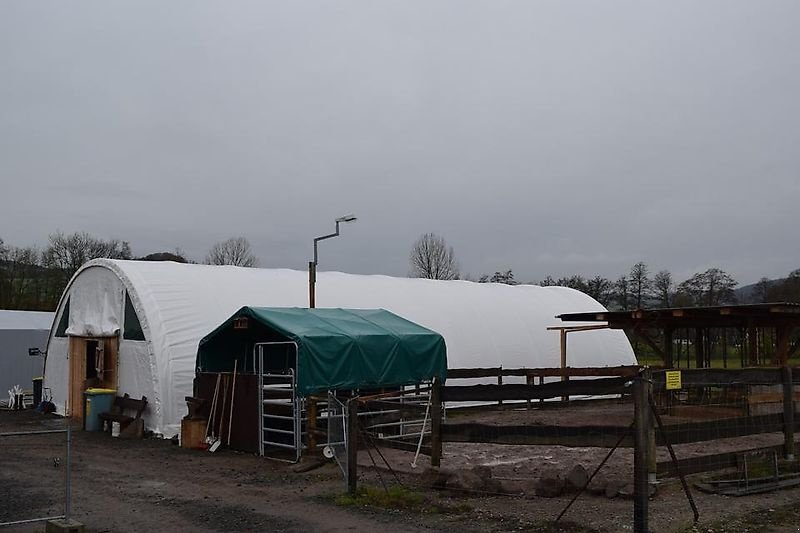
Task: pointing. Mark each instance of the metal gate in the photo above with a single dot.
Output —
(337, 431)
(280, 410)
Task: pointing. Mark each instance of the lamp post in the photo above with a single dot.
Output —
(312, 265)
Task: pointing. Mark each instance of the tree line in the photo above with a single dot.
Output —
(33, 278)
(637, 288)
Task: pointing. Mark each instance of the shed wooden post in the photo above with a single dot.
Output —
(436, 422)
(352, 445)
(788, 412)
(641, 488)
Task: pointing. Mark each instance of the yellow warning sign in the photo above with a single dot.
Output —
(673, 379)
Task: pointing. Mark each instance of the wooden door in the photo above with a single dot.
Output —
(93, 362)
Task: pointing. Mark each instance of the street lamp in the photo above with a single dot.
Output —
(312, 265)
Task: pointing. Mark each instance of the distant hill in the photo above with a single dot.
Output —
(747, 294)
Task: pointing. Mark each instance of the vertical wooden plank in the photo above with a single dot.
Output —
(436, 422)
(668, 348)
(699, 348)
(781, 345)
(641, 489)
(788, 412)
(311, 425)
(541, 382)
(724, 347)
(77, 370)
(752, 345)
(352, 445)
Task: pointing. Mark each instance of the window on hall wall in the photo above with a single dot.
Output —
(133, 328)
(63, 323)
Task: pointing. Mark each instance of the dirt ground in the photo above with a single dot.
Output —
(152, 484)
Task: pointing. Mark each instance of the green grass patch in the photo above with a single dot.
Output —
(776, 518)
(398, 498)
(395, 497)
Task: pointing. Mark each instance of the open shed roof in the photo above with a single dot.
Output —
(339, 348)
(720, 316)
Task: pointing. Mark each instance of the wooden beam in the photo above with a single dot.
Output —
(576, 436)
(723, 428)
(493, 393)
(650, 342)
(702, 377)
(472, 373)
(570, 329)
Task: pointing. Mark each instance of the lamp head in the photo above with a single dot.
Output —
(347, 218)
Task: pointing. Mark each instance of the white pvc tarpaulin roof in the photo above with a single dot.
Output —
(484, 325)
(25, 319)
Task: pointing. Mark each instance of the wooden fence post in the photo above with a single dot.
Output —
(564, 376)
(436, 422)
(500, 382)
(788, 412)
(529, 382)
(641, 452)
(352, 445)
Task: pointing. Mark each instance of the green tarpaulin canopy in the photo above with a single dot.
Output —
(336, 348)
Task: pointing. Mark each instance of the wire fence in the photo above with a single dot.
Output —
(731, 430)
(47, 496)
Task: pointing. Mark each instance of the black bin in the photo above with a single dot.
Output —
(37, 391)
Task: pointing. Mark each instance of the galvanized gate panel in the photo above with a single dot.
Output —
(280, 410)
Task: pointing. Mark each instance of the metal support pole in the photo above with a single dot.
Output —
(312, 280)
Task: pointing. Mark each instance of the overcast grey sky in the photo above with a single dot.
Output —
(550, 137)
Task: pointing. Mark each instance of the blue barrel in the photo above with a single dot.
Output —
(97, 401)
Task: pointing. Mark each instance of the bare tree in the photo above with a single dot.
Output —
(234, 251)
(640, 284)
(67, 253)
(761, 291)
(662, 287)
(709, 288)
(600, 289)
(431, 258)
(622, 293)
(506, 277)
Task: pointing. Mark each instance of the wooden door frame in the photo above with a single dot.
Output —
(77, 370)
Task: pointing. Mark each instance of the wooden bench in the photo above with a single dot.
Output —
(129, 426)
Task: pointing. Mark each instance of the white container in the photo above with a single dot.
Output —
(115, 429)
